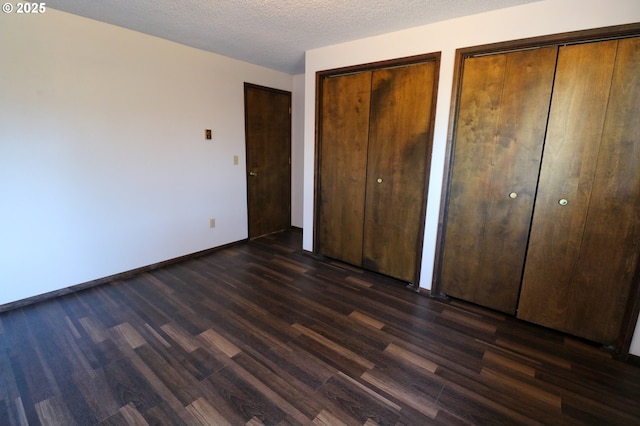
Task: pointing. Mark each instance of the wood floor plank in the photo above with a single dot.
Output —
(334, 346)
(329, 356)
(95, 388)
(527, 391)
(304, 366)
(156, 335)
(31, 381)
(479, 409)
(199, 363)
(127, 415)
(325, 418)
(162, 414)
(210, 337)
(262, 333)
(52, 411)
(305, 399)
(469, 320)
(377, 396)
(127, 385)
(181, 337)
(206, 414)
(21, 416)
(132, 416)
(176, 390)
(129, 335)
(400, 393)
(491, 357)
(534, 353)
(175, 386)
(94, 329)
(365, 319)
(403, 355)
(272, 395)
(437, 348)
(361, 403)
(244, 398)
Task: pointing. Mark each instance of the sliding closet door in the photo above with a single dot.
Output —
(498, 145)
(585, 236)
(398, 165)
(344, 130)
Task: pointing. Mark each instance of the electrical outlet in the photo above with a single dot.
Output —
(212, 223)
(208, 134)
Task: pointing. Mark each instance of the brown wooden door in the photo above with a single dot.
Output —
(397, 169)
(375, 125)
(499, 138)
(343, 165)
(583, 253)
(268, 143)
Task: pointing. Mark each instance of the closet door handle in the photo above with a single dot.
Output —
(252, 173)
(513, 195)
(563, 202)
(379, 180)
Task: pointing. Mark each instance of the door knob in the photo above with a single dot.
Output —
(252, 173)
(563, 202)
(513, 195)
(379, 180)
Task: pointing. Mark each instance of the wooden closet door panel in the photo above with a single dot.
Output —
(611, 242)
(343, 165)
(574, 261)
(499, 138)
(398, 163)
(476, 125)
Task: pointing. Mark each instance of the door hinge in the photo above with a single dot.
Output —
(289, 110)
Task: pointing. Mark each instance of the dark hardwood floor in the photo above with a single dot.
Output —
(262, 333)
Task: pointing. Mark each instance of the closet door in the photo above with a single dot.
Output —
(502, 115)
(344, 131)
(398, 166)
(585, 236)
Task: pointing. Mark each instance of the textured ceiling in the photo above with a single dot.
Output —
(272, 33)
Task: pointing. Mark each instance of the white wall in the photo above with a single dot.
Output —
(530, 20)
(103, 163)
(635, 343)
(297, 150)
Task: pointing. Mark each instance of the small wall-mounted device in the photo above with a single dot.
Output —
(207, 134)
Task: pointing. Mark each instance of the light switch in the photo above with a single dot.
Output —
(235, 160)
(207, 134)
